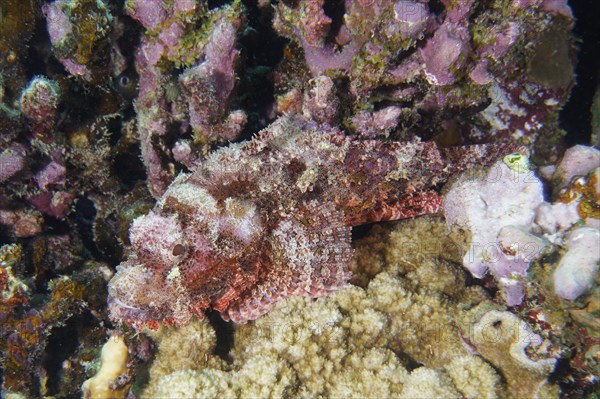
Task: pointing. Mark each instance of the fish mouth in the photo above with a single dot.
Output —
(123, 312)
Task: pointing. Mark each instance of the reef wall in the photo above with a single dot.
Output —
(372, 110)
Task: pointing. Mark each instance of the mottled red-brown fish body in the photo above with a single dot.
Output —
(262, 220)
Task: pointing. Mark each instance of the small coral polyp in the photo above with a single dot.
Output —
(262, 220)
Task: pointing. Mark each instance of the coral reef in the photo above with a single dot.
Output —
(181, 162)
(498, 334)
(542, 255)
(468, 57)
(39, 105)
(26, 329)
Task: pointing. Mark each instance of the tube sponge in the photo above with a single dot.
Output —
(112, 380)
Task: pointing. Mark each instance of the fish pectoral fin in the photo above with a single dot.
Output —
(308, 255)
(396, 208)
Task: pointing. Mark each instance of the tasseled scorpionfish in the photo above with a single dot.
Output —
(262, 220)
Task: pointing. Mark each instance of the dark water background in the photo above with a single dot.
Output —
(576, 116)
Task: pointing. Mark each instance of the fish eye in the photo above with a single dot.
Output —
(125, 84)
(178, 250)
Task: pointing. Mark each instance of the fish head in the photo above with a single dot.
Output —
(146, 283)
(192, 252)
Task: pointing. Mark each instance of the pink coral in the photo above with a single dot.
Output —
(576, 271)
(23, 223)
(208, 86)
(378, 123)
(578, 160)
(507, 34)
(411, 17)
(262, 220)
(321, 102)
(56, 204)
(12, 161)
(39, 106)
(445, 52)
(150, 13)
(52, 174)
(77, 30)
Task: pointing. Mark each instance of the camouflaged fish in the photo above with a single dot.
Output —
(261, 220)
